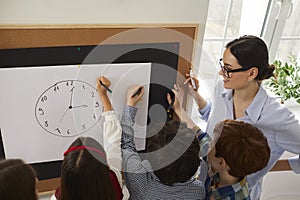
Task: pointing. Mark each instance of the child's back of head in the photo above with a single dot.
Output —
(177, 159)
(243, 146)
(85, 174)
(17, 180)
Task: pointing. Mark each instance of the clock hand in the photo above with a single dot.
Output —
(65, 114)
(71, 99)
(81, 106)
(70, 105)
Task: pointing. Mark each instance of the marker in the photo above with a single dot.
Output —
(105, 87)
(137, 92)
(192, 80)
(170, 109)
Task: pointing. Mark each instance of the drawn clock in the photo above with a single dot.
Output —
(68, 108)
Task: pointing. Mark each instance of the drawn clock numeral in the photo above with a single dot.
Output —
(41, 111)
(44, 99)
(57, 129)
(68, 108)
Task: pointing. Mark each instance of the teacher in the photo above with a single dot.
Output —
(239, 95)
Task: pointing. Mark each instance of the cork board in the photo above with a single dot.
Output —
(15, 37)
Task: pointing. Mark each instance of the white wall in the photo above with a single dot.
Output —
(102, 11)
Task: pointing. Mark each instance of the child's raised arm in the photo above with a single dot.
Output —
(102, 87)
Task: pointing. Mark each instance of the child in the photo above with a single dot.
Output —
(90, 171)
(240, 150)
(174, 169)
(18, 180)
(236, 150)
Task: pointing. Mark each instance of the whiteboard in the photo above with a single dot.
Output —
(36, 121)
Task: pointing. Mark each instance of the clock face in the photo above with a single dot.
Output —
(68, 108)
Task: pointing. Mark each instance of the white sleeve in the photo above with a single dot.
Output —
(112, 142)
(288, 138)
(53, 197)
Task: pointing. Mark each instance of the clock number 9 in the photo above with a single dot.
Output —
(41, 111)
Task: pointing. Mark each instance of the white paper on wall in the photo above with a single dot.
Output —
(43, 109)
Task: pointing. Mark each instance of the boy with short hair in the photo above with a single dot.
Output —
(169, 174)
(236, 150)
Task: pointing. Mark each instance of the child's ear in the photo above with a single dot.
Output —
(222, 163)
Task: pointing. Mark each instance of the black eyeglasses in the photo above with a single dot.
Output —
(227, 72)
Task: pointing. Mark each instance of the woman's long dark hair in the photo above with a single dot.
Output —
(85, 174)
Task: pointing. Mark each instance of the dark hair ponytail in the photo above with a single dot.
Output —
(267, 72)
(250, 51)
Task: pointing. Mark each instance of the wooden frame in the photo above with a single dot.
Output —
(75, 35)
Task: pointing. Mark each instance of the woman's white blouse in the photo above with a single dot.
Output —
(276, 122)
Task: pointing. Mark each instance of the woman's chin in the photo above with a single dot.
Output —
(226, 84)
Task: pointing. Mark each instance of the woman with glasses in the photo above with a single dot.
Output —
(240, 96)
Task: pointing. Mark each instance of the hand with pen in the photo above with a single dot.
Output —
(193, 84)
(134, 95)
(102, 85)
(175, 100)
(176, 103)
(193, 91)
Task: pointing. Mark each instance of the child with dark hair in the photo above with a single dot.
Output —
(18, 180)
(90, 171)
(236, 150)
(182, 153)
(85, 173)
(168, 172)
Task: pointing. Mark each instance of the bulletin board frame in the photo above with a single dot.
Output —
(28, 36)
